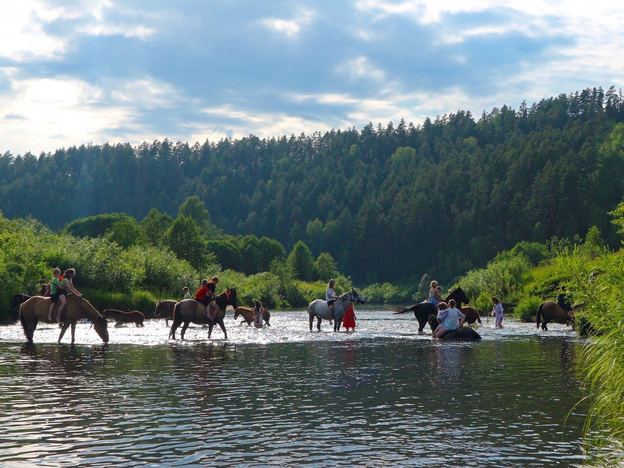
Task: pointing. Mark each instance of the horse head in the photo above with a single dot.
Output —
(355, 297)
(459, 295)
(17, 299)
(101, 328)
(230, 295)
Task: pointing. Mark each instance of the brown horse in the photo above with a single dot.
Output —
(35, 310)
(134, 316)
(165, 307)
(248, 315)
(550, 311)
(189, 310)
(472, 314)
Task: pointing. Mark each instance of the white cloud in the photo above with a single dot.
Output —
(291, 27)
(360, 68)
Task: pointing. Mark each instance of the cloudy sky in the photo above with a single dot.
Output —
(96, 71)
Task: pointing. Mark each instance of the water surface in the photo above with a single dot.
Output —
(381, 396)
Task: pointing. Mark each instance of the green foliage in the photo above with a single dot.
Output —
(95, 226)
(325, 267)
(376, 200)
(185, 240)
(154, 225)
(302, 262)
(526, 309)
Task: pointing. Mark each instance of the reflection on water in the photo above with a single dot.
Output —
(284, 396)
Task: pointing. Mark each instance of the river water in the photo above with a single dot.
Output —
(380, 396)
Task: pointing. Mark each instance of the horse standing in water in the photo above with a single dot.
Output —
(552, 312)
(35, 310)
(189, 310)
(247, 315)
(165, 307)
(120, 317)
(319, 309)
(472, 314)
(422, 312)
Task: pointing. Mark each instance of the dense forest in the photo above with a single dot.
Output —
(388, 203)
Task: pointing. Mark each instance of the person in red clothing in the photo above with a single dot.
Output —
(349, 319)
(206, 294)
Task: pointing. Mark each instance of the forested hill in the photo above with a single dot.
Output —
(388, 203)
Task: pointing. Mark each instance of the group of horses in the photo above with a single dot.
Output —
(426, 313)
(35, 309)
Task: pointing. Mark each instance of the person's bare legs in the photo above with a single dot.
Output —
(63, 300)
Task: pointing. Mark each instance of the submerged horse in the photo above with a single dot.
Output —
(165, 307)
(35, 310)
(472, 314)
(459, 334)
(189, 310)
(247, 315)
(320, 310)
(134, 316)
(550, 311)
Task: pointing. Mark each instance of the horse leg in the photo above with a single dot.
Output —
(63, 330)
(184, 327)
(318, 323)
(29, 329)
(222, 325)
(73, 332)
(337, 325)
(311, 321)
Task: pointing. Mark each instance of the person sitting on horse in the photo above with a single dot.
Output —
(449, 317)
(54, 296)
(206, 294)
(63, 286)
(434, 293)
(330, 298)
(563, 301)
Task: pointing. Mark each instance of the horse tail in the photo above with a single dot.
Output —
(539, 315)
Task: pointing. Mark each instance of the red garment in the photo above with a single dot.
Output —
(203, 293)
(349, 319)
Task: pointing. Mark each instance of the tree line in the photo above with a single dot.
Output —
(386, 203)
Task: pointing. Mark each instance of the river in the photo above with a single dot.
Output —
(380, 396)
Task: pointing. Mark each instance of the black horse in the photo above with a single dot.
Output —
(17, 299)
(459, 334)
(422, 312)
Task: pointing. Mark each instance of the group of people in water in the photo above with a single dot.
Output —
(450, 317)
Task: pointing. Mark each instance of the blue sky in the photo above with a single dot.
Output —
(96, 71)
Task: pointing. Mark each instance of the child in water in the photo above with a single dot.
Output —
(498, 311)
(349, 319)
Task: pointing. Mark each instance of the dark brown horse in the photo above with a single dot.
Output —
(189, 310)
(134, 316)
(472, 314)
(166, 308)
(248, 315)
(35, 310)
(17, 299)
(550, 311)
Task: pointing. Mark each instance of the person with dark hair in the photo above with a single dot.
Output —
(449, 318)
(206, 294)
(64, 286)
(498, 311)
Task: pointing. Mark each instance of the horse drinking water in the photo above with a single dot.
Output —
(319, 309)
(35, 310)
(189, 310)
